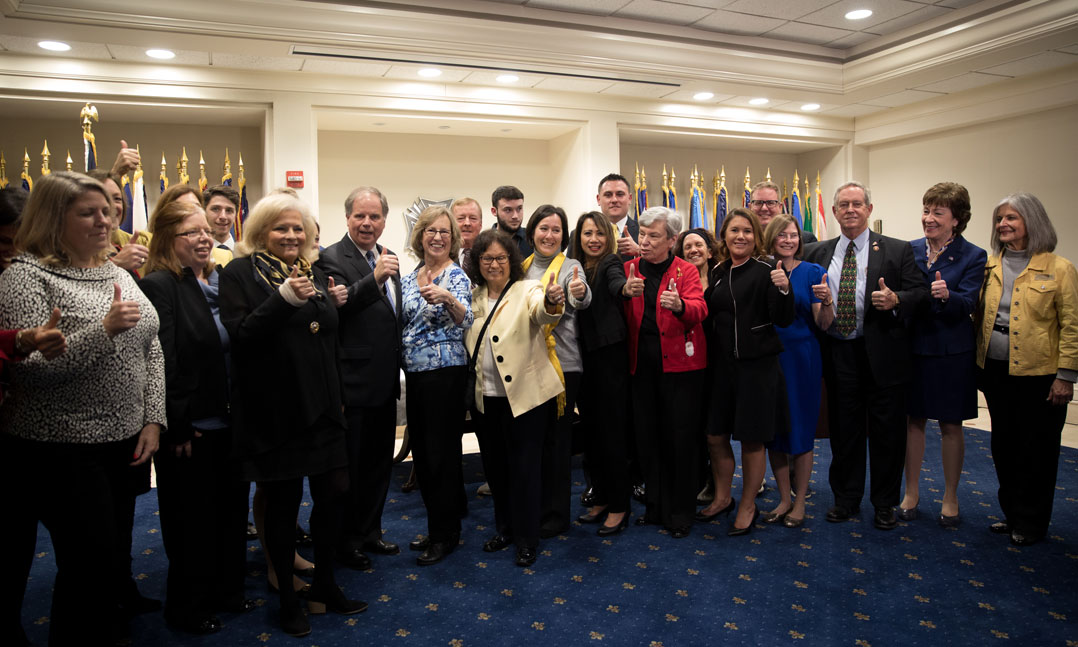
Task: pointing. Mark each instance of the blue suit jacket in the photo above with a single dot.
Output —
(946, 328)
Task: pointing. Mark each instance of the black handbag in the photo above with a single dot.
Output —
(469, 383)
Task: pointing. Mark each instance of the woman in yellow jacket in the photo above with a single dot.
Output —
(516, 386)
(1027, 349)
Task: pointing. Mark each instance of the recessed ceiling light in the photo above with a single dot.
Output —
(163, 54)
(760, 101)
(703, 96)
(54, 46)
(808, 107)
(507, 78)
(858, 14)
(430, 72)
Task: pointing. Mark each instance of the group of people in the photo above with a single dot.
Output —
(268, 360)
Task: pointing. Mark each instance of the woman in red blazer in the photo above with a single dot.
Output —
(664, 307)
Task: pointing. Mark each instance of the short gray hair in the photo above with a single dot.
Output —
(362, 191)
(1040, 233)
(667, 215)
(856, 185)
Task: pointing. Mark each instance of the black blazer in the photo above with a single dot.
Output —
(285, 375)
(196, 379)
(885, 332)
(743, 308)
(370, 331)
(603, 323)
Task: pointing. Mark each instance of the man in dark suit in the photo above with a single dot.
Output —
(764, 202)
(876, 287)
(370, 335)
(507, 205)
(615, 199)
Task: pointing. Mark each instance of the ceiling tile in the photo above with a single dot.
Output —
(729, 22)
(784, 9)
(411, 73)
(956, 4)
(854, 39)
(490, 77)
(1032, 64)
(710, 4)
(78, 50)
(666, 12)
(803, 33)
(335, 66)
(901, 98)
(854, 110)
(883, 10)
(273, 63)
(963, 82)
(597, 7)
(573, 85)
(1070, 49)
(639, 90)
(912, 18)
(686, 95)
(133, 54)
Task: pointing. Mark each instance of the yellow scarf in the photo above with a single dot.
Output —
(548, 329)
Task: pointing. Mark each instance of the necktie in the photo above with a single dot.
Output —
(846, 304)
(370, 258)
(385, 288)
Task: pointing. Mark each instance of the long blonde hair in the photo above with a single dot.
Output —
(42, 228)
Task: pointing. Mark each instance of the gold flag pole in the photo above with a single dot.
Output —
(181, 168)
(807, 200)
(226, 176)
(748, 188)
(68, 164)
(27, 180)
(45, 155)
(241, 183)
(203, 182)
(164, 173)
(3, 171)
(769, 174)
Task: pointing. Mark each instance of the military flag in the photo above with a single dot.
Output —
(164, 175)
(795, 203)
(748, 189)
(237, 229)
(89, 144)
(821, 214)
(808, 209)
(720, 201)
(139, 210)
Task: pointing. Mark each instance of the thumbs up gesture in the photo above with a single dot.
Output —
(431, 292)
(339, 293)
(822, 291)
(779, 278)
(555, 295)
(634, 286)
(939, 288)
(670, 299)
(126, 161)
(46, 339)
(301, 285)
(122, 315)
(133, 255)
(884, 298)
(627, 246)
(577, 287)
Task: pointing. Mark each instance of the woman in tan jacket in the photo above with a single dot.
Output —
(516, 386)
(1027, 348)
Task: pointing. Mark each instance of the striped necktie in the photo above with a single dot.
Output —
(846, 303)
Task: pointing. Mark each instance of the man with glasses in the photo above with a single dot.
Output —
(370, 351)
(765, 203)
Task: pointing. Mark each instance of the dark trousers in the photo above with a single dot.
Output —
(558, 464)
(203, 504)
(435, 416)
(371, 433)
(603, 402)
(510, 448)
(666, 420)
(76, 491)
(863, 412)
(1026, 431)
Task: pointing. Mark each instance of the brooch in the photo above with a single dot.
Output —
(315, 327)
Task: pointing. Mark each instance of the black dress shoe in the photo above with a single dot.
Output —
(354, 558)
(525, 556)
(496, 543)
(252, 532)
(196, 625)
(680, 532)
(294, 622)
(885, 519)
(837, 514)
(381, 547)
(588, 517)
(1000, 528)
(950, 521)
(1021, 539)
(606, 531)
(587, 497)
(734, 531)
(420, 544)
(334, 600)
(700, 516)
(435, 552)
(303, 538)
(907, 514)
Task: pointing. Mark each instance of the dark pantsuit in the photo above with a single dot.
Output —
(371, 434)
(604, 403)
(858, 404)
(1026, 431)
(203, 505)
(435, 416)
(558, 464)
(510, 449)
(666, 419)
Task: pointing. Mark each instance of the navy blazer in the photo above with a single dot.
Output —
(370, 330)
(946, 328)
(886, 337)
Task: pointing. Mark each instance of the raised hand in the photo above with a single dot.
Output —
(822, 290)
(627, 246)
(670, 299)
(126, 161)
(388, 265)
(339, 293)
(779, 278)
(46, 339)
(939, 288)
(132, 256)
(884, 298)
(301, 285)
(634, 286)
(431, 292)
(122, 315)
(555, 295)
(577, 287)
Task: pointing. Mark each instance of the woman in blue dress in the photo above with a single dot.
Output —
(802, 367)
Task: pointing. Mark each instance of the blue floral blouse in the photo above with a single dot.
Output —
(431, 339)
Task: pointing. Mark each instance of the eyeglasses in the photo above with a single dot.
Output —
(437, 233)
(195, 234)
(491, 260)
(764, 203)
(785, 236)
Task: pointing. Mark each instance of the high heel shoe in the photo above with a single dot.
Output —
(334, 601)
(907, 514)
(704, 518)
(773, 517)
(294, 622)
(737, 532)
(606, 531)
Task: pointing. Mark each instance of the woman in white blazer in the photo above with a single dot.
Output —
(516, 385)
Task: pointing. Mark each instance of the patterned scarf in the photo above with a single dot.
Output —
(272, 271)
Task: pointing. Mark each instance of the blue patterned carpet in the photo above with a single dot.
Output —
(822, 584)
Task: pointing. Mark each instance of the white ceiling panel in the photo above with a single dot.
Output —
(854, 110)
(1070, 49)
(573, 85)
(78, 50)
(784, 9)
(901, 98)
(335, 66)
(270, 63)
(805, 33)
(1033, 64)
(882, 10)
(854, 39)
(488, 77)
(667, 12)
(624, 88)
(909, 20)
(686, 95)
(132, 54)
(597, 7)
(956, 4)
(729, 22)
(963, 82)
